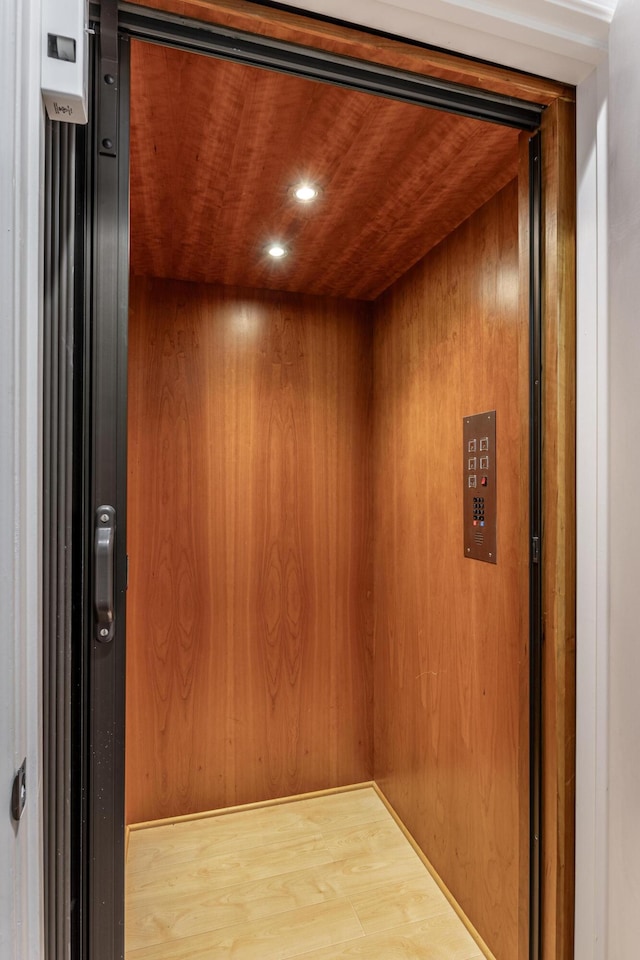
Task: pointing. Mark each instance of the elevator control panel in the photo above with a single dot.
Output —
(479, 493)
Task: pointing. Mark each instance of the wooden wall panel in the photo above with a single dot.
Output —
(451, 638)
(248, 625)
(559, 541)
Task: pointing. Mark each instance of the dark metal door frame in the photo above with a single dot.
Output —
(100, 884)
(59, 440)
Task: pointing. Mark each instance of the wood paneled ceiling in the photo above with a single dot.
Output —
(216, 148)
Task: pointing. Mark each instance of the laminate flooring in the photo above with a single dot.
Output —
(319, 878)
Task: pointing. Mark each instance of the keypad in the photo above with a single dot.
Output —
(478, 511)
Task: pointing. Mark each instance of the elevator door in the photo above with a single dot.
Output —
(106, 436)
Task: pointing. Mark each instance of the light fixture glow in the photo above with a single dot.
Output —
(277, 251)
(305, 192)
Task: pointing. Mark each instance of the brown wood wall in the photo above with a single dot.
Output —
(559, 543)
(451, 658)
(256, 526)
(249, 624)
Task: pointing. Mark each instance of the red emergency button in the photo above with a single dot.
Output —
(483, 481)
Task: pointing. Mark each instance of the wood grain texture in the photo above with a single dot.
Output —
(302, 28)
(395, 178)
(559, 541)
(451, 633)
(248, 624)
(365, 893)
(524, 234)
(484, 948)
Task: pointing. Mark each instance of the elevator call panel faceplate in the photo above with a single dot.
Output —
(479, 494)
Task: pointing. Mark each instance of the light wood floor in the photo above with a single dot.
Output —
(321, 878)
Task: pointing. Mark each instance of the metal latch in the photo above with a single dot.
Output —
(535, 550)
(19, 792)
(104, 585)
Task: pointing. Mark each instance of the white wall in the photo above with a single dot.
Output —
(20, 127)
(624, 663)
(592, 519)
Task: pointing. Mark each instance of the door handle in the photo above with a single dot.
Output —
(104, 592)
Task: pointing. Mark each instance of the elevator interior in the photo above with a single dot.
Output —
(301, 614)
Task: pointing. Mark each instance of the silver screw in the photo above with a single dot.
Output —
(104, 517)
(490, 554)
(104, 632)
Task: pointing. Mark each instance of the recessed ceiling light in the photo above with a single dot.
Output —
(277, 251)
(305, 192)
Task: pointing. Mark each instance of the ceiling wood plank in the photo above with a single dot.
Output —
(217, 146)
